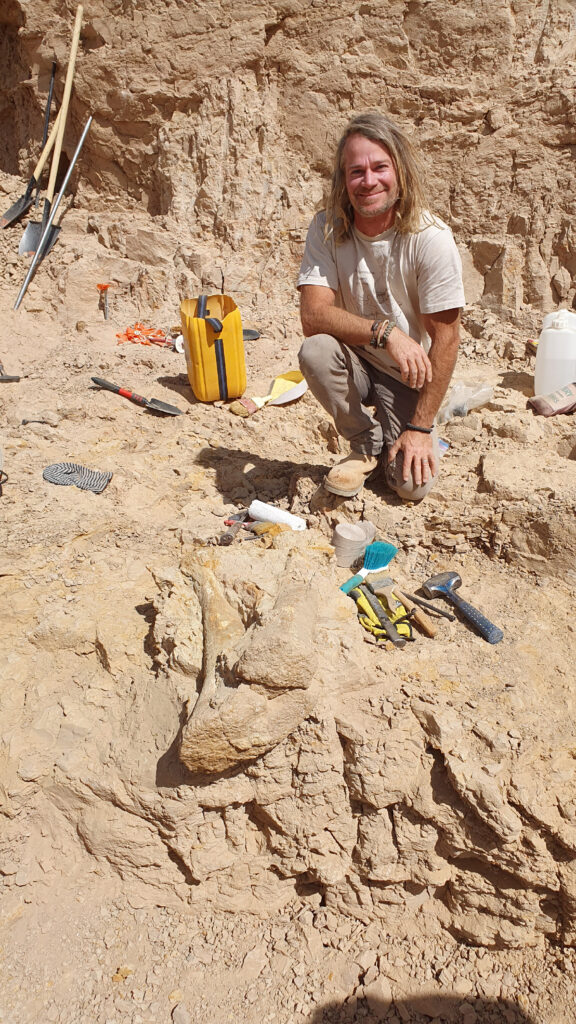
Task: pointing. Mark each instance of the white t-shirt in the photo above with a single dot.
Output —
(392, 276)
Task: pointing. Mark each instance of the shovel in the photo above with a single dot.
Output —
(34, 231)
(150, 403)
(43, 245)
(18, 209)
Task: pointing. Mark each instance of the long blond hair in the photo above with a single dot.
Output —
(411, 203)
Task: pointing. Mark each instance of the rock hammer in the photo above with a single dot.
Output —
(446, 584)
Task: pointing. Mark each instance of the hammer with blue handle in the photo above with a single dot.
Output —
(446, 584)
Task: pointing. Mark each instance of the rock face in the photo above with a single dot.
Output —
(230, 136)
(211, 725)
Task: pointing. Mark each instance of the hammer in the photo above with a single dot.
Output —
(446, 584)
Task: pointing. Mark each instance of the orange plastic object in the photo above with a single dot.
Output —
(138, 334)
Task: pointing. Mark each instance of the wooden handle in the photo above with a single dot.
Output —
(64, 108)
(392, 599)
(423, 621)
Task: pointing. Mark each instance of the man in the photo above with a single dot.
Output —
(380, 298)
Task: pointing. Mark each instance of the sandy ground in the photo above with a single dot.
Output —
(81, 941)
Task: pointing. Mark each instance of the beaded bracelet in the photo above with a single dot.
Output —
(381, 330)
(421, 430)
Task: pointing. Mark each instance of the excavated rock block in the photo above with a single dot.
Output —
(311, 828)
(503, 281)
(178, 626)
(524, 479)
(241, 728)
(280, 654)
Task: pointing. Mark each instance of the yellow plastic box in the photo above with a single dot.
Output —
(214, 347)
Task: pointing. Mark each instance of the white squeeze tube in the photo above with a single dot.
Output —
(264, 513)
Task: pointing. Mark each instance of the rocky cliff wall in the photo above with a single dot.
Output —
(218, 119)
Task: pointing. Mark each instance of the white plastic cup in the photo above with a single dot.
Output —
(556, 353)
(350, 541)
(264, 513)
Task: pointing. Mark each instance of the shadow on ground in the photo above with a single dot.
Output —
(422, 1009)
(522, 382)
(268, 479)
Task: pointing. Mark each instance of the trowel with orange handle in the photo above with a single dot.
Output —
(150, 403)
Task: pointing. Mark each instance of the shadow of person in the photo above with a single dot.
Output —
(422, 1009)
(236, 471)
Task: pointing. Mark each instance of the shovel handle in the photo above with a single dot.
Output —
(64, 107)
(48, 104)
(132, 396)
(120, 391)
(423, 621)
(47, 148)
(106, 384)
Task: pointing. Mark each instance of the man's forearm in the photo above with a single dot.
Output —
(353, 330)
(442, 355)
(320, 315)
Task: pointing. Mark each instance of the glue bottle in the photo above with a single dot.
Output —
(556, 354)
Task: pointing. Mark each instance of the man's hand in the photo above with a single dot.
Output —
(419, 452)
(419, 456)
(414, 364)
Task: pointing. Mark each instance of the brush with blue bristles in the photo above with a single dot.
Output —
(376, 557)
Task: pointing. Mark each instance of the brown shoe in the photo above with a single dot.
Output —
(349, 476)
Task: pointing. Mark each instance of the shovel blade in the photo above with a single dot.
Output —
(32, 237)
(16, 211)
(157, 406)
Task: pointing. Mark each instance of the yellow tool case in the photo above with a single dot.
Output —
(214, 347)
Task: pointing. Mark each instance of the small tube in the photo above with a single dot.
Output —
(264, 513)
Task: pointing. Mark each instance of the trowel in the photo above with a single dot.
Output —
(150, 403)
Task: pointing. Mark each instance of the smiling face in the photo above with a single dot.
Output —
(371, 184)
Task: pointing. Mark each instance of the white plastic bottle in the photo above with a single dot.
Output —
(556, 353)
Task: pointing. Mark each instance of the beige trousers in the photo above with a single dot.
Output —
(369, 408)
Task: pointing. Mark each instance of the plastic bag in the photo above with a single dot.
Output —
(462, 398)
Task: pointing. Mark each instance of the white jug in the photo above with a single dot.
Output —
(556, 352)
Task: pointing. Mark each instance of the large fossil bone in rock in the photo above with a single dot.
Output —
(241, 728)
(281, 654)
(229, 726)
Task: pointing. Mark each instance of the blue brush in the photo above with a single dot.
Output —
(376, 557)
